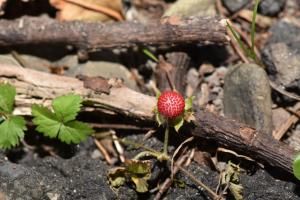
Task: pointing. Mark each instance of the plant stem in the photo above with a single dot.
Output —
(166, 139)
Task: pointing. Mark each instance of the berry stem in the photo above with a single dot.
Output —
(166, 139)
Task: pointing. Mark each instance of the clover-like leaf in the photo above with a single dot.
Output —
(7, 98)
(12, 131)
(61, 123)
(66, 107)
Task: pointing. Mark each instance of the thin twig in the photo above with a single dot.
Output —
(282, 91)
(103, 151)
(19, 59)
(118, 126)
(172, 86)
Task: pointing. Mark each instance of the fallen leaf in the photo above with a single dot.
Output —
(74, 10)
(97, 84)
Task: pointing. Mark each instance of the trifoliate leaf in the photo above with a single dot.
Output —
(116, 176)
(74, 132)
(7, 98)
(189, 103)
(60, 123)
(296, 167)
(66, 107)
(12, 131)
(45, 120)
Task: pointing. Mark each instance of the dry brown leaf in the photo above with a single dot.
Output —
(2, 6)
(81, 10)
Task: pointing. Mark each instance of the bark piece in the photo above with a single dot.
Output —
(91, 36)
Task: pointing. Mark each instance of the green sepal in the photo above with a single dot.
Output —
(177, 122)
(189, 103)
(296, 167)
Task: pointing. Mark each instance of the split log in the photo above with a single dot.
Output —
(33, 86)
(91, 36)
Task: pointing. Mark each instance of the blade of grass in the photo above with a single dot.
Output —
(150, 55)
(253, 26)
(238, 39)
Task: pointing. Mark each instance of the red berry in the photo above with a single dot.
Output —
(170, 104)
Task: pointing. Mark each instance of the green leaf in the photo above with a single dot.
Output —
(74, 132)
(7, 98)
(116, 176)
(66, 107)
(61, 124)
(139, 168)
(141, 184)
(12, 131)
(140, 172)
(296, 167)
(189, 103)
(45, 120)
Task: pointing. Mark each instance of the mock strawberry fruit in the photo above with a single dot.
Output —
(170, 104)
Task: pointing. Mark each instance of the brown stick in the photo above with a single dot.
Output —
(33, 86)
(169, 31)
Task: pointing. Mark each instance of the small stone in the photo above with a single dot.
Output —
(185, 8)
(53, 196)
(235, 5)
(271, 7)
(247, 96)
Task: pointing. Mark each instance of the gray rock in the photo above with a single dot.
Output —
(99, 68)
(271, 7)
(235, 5)
(247, 96)
(281, 55)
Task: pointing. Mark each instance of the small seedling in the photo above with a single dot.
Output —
(12, 127)
(135, 171)
(60, 123)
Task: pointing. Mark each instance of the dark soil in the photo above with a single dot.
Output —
(81, 177)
